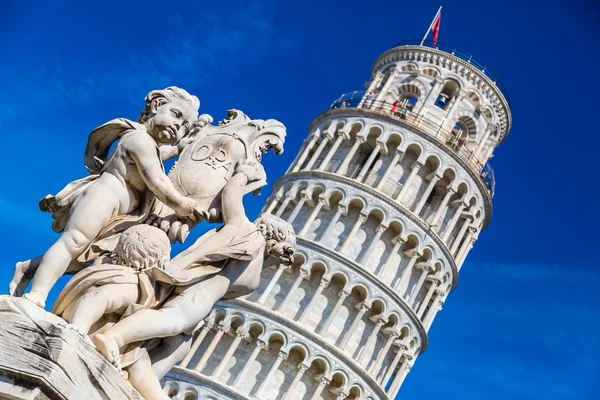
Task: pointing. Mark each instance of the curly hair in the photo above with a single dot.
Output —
(142, 247)
(279, 235)
(167, 95)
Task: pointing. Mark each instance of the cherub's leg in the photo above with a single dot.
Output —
(25, 270)
(99, 301)
(173, 350)
(180, 314)
(143, 379)
(89, 215)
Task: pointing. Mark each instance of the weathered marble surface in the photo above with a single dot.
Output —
(40, 358)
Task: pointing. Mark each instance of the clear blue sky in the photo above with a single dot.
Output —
(524, 320)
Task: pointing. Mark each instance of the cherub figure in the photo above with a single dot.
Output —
(225, 263)
(122, 187)
(119, 287)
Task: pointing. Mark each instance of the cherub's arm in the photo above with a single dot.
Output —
(231, 198)
(168, 152)
(141, 149)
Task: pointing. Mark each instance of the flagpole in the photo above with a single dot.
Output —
(431, 26)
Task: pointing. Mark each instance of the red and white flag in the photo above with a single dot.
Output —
(436, 27)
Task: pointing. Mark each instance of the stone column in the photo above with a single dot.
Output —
(378, 232)
(460, 261)
(441, 209)
(484, 139)
(288, 197)
(363, 308)
(259, 345)
(461, 234)
(341, 396)
(433, 87)
(322, 202)
(294, 214)
(364, 352)
(413, 255)
(303, 274)
(434, 285)
(341, 210)
(272, 283)
(398, 242)
(240, 334)
(466, 244)
(343, 169)
(385, 87)
(361, 220)
(221, 329)
(459, 209)
(317, 153)
(301, 370)
(399, 378)
(331, 152)
(273, 204)
(265, 384)
(322, 285)
(430, 187)
(397, 157)
(393, 365)
(371, 88)
(383, 353)
(365, 168)
(205, 329)
(436, 306)
(306, 152)
(413, 172)
(417, 288)
(341, 297)
(317, 394)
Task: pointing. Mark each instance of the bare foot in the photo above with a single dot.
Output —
(109, 348)
(23, 273)
(37, 298)
(79, 330)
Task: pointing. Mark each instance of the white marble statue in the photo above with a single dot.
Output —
(119, 285)
(121, 190)
(224, 263)
(138, 307)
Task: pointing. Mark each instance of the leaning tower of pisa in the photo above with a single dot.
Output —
(388, 194)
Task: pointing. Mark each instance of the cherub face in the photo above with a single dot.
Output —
(170, 123)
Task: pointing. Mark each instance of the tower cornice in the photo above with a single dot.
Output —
(458, 66)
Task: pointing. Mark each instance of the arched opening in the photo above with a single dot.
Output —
(448, 92)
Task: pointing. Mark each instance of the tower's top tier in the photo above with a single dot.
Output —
(459, 83)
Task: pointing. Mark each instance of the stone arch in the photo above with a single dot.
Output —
(323, 360)
(331, 191)
(431, 71)
(300, 347)
(468, 125)
(276, 335)
(190, 393)
(339, 379)
(356, 392)
(379, 306)
(172, 388)
(393, 136)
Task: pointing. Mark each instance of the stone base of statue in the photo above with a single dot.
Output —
(42, 358)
